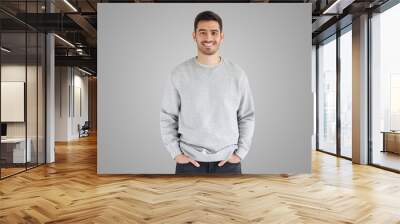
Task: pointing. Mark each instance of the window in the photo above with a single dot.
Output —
(385, 88)
(346, 93)
(327, 96)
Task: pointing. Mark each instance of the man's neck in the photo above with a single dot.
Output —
(208, 59)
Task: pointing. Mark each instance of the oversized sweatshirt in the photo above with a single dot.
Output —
(207, 111)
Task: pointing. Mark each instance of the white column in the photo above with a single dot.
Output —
(50, 91)
(50, 100)
(360, 90)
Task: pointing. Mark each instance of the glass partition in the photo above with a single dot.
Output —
(22, 77)
(32, 95)
(327, 95)
(13, 109)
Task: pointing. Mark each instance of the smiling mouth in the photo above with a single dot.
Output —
(208, 44)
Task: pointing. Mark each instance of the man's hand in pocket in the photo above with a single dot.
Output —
(183, 159)
(233, 159)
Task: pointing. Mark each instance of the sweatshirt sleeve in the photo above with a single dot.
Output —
(169, 114)
(246, 118)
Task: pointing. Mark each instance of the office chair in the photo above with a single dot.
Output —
(84, 130)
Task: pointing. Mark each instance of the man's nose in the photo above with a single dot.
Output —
(209, 37)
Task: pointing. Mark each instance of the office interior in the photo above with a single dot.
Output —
(49, 86)
(33, 64)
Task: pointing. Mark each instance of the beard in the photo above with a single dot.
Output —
(208, 50)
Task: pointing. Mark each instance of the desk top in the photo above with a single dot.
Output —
(390, 132)
(13, 140)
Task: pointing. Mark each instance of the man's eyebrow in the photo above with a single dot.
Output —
(206, 30)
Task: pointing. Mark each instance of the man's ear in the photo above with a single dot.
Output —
(194, 35)
(222, 37)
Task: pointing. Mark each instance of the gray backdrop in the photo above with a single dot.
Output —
(139, 44)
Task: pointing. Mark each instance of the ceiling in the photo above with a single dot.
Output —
(76, 22)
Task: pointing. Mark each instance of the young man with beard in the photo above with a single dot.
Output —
(207, 116)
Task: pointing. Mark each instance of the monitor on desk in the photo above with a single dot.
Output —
(3, 130)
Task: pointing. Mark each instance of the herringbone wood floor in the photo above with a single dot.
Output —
(70, 191)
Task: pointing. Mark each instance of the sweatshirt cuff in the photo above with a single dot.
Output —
(174, 149)
(241, 152)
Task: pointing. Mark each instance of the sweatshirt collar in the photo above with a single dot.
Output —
(208, 66)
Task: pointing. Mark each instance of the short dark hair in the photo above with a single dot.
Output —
(207, 15)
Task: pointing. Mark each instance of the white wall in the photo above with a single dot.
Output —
(33, 127)
(80, 83)
(15, 72)
(62, 80)
(67, 83)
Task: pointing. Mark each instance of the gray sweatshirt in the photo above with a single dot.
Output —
(207, 112)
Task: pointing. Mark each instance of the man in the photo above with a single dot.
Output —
(207, 114)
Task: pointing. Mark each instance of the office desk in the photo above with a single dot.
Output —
(13, 150)
(391, 141)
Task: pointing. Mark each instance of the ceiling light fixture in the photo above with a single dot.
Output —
(70, 5)
(64, 40)
(79, 51)
(5, 50)
(337, 7)
(84, 71)
(328, 10)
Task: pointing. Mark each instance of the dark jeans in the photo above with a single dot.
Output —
(209, 167)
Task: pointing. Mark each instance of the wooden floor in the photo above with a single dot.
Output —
(5, 172)
(387, 159)
(70, 191)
